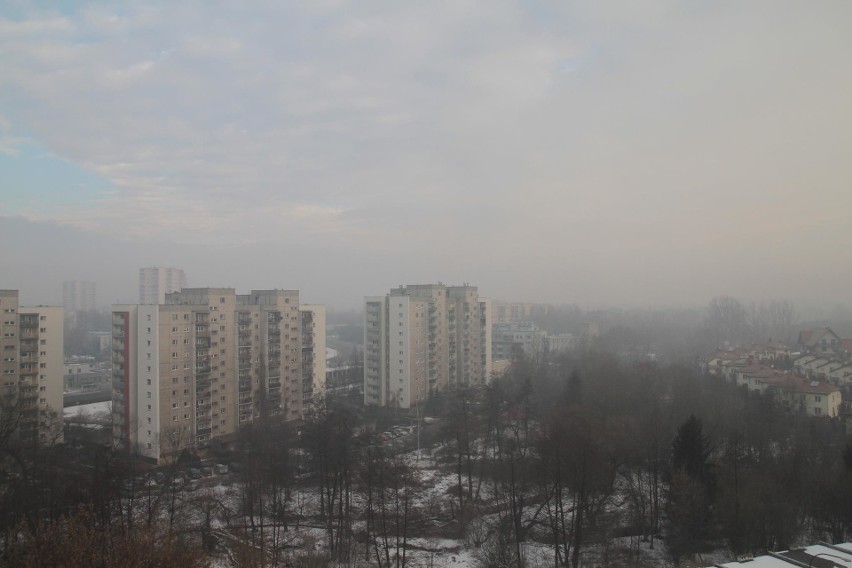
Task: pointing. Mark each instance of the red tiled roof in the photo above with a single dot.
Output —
(815, 387)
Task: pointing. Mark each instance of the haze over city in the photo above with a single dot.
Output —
(598, 152)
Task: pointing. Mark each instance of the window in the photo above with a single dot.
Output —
(149, 407)
(42, 330)
(149, 380)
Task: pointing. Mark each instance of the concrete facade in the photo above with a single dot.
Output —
(209, 362)
(31, 370)
(421, 339)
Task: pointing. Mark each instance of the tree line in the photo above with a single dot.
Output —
(586, 456)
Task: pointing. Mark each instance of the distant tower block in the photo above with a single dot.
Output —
(157, 281)
(78, 296)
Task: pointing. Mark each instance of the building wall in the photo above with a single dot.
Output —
(314, 345)
(375, 351)
(31, 370)
(9, 342)
(209, 362)
(421, 339)
(487, 336)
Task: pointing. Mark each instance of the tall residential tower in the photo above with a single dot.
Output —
(424, 338)
(208, 362)
(31, 369)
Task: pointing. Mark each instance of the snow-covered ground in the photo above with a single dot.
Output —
(93, 410)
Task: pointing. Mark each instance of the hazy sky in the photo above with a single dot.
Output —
(591, 152)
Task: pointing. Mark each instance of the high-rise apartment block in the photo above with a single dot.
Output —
(208, 362)
(31, 368)
(420, 339)
(78, 296)
(155, 282)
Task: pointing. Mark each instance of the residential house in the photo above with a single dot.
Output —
(819, 340)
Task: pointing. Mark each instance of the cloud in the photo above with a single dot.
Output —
(598, 130)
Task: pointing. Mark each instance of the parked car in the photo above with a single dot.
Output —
(221, 468)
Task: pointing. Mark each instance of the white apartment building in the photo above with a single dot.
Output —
(208, 362)
(157, 281)
(420, 339)
(31, 369)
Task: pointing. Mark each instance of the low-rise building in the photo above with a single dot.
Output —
(507, 339)
(819, 340)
